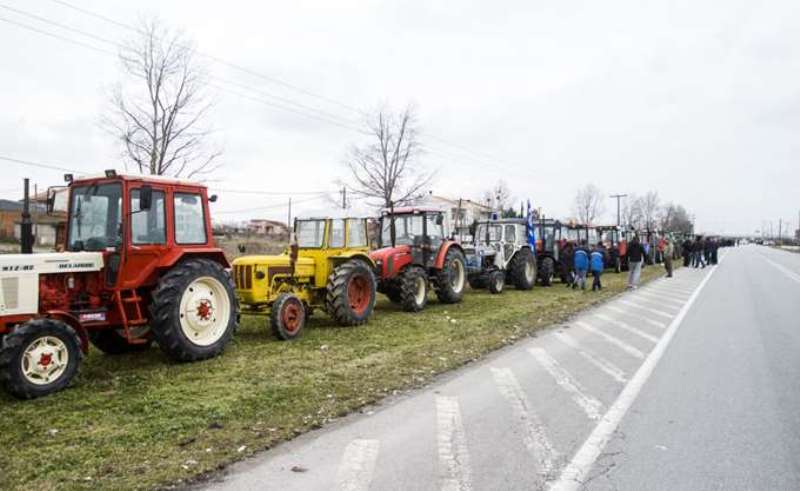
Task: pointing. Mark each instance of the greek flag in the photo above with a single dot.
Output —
(531, 226)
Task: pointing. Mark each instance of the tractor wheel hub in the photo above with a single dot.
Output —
(44, 360)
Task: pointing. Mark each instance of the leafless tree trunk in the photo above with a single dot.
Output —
(650, 204)
(385, 168)
(158, 110)
(589, 204)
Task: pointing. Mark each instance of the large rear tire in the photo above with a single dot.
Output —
(523, 269)
(194, 311)
(351, 292)
(111, 342)
(413, 289)
(288, 317)
(39, 358)
(451, 279)
(546, 273)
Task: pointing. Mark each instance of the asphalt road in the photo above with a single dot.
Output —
(688, 383)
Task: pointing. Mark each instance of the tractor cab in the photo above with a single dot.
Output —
(416, 250)
(139, 265)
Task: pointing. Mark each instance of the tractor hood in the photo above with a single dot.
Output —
(271, 261)
(51, 262)
(385, 253)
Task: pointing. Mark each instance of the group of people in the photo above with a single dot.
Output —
(700, 252)
(584, 261)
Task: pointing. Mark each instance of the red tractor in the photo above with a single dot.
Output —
(415, 252)
(139, 265)
(616, 244)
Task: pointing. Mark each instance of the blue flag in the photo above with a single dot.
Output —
(531, 227)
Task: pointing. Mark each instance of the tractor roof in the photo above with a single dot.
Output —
(141, 178)
(405, 210)
(502, 221)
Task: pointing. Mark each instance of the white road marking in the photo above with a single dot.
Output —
(783, 269)
(606, 366)
(454, 470)
(611, 339)
(656, 297)
(673, 290)
(575, 473)
(628, 327)
(644, 307)
(589, 404)
(535, 438)
(357, 465)
(618, 310)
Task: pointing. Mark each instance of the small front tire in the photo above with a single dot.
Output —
(497, 280)
(288, 317)
(413, 289)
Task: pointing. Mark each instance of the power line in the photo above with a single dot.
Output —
(36, 164)
(270, 207)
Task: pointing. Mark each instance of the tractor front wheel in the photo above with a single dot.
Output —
(451, 279)
(288, 317)
(351, 293)
(39, 358)
(413, 289)
(497, 280)
(523, 269)
(546, 274)
(194, 310)
(476, 281)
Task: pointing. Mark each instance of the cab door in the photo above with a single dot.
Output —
(146, 236)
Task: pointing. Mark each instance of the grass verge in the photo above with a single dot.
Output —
(139, 421)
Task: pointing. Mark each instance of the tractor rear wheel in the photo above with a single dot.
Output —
(288, 317)
(452, 277)
(413, 289)
(194, 310)
(39, 358)
(523, 269)
(351, 292)
(546, 274)
(112, 342)
(497, 280)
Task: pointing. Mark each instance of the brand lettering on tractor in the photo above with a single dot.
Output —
(75, 265)
(27, 267)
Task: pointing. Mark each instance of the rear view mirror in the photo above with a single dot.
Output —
(145, 198)
(439, 219)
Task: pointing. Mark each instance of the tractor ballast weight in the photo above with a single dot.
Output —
(415, 252)
(327, 266)
(140, 265)
(500, 254)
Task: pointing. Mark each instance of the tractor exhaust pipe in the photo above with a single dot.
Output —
(26, 226)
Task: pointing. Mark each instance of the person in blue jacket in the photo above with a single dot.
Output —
(597, 265)
(581, 263)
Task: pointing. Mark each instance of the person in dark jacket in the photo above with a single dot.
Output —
(597, 261)
(687, 252)
(566, 263)
(636, 257)
(581, 262)
(698, 250)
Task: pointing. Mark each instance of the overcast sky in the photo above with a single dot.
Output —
(698, 100)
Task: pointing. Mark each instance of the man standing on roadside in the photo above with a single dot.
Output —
(636, 256)
(687, 252)
(598, 264)
(669, 250)
(697, 252)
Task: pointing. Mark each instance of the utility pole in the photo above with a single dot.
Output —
(618, 197)
(344, 197)
(26, 227)
(780, 228)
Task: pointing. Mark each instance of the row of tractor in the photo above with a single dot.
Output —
(139, 265)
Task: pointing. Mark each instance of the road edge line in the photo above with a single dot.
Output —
(573, 475)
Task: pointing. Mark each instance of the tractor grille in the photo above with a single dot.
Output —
(243, 276)
(10, 289)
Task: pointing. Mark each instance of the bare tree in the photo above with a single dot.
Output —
(589, 204)
(650, 204)
(632, 211)
(498, 197)
(385, 168)
(158, 110)
(675, 218)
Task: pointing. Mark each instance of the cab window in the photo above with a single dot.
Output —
(310, 233)
(337, 234)
(511, 233)
(190, 220)
(356, 233)
(148, 226)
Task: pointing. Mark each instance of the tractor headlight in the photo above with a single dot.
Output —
(260, 275)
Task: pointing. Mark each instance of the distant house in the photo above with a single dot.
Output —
(269, 228)
(460, 213)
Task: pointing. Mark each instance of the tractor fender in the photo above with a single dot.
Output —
(212, 253)
(74, 323)
(359, 256)
(443, 250)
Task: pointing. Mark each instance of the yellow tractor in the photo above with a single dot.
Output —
(326, 266)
